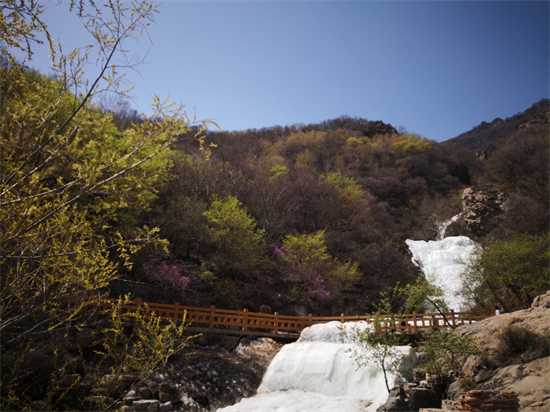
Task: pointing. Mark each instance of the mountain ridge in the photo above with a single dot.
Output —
(488, 135)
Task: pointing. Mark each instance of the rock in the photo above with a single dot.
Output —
(145, 392)
(260, 351)
(542, 301)
(166, 406)
(397, 401)
(128, 380)
(265, 309)
(529, 381)
(472, 366)
(455, 389)
(407, 387)
(103, 401)
(228, 342)
(536, 319)
(146, 405)
(484, 154)
(448, 405)
(482, 209)
(424, 398)
(163, 396)
(168, 393)
(434, 379)
(132, 396)
(203, 400)
(489, 401)
(484, 375)
(189, 404)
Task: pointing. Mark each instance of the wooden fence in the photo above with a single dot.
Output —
(280, 324)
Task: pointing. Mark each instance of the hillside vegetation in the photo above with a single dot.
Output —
(303, 218)
(313, 218)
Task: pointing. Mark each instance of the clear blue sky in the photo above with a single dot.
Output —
(436, 68)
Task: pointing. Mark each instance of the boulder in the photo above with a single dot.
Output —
(455, 389)
(145, 392)
(397, 401)
(265, 309)
(168, 393)
(146, 405)
(166, 406)
(424, 398)
(542, 301)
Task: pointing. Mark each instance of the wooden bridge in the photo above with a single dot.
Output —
(215, 320)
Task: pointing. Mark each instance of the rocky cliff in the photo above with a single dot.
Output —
(529, 379)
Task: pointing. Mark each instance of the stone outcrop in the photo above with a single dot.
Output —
(531, 380)
(397, 401)
(485, 401)
(536, 319)
(484, 154)
(482, 209)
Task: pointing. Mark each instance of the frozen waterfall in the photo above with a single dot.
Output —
(442, 262)
(317, 373)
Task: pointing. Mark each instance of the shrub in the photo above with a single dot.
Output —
(517, 344)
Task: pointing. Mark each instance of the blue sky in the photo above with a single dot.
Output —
(436, 68)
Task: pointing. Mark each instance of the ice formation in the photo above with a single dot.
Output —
(442, 262)
(443, 226)
(316, 373)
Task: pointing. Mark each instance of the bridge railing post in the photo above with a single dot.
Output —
(245, 319)
(453, 318)
(310, 320)
(342, 317)
(414, 323)
(211, 320)
(276, 322)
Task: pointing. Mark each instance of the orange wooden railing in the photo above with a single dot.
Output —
(244, 320)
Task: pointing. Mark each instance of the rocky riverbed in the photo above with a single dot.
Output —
(205, 378)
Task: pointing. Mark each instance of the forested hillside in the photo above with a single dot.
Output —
(313, 218)
(487, 136)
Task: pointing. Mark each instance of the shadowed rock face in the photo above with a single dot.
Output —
(530, 381)
(482, 209)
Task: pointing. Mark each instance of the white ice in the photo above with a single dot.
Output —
(316, 373)
(443, 262)
(443, 226)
